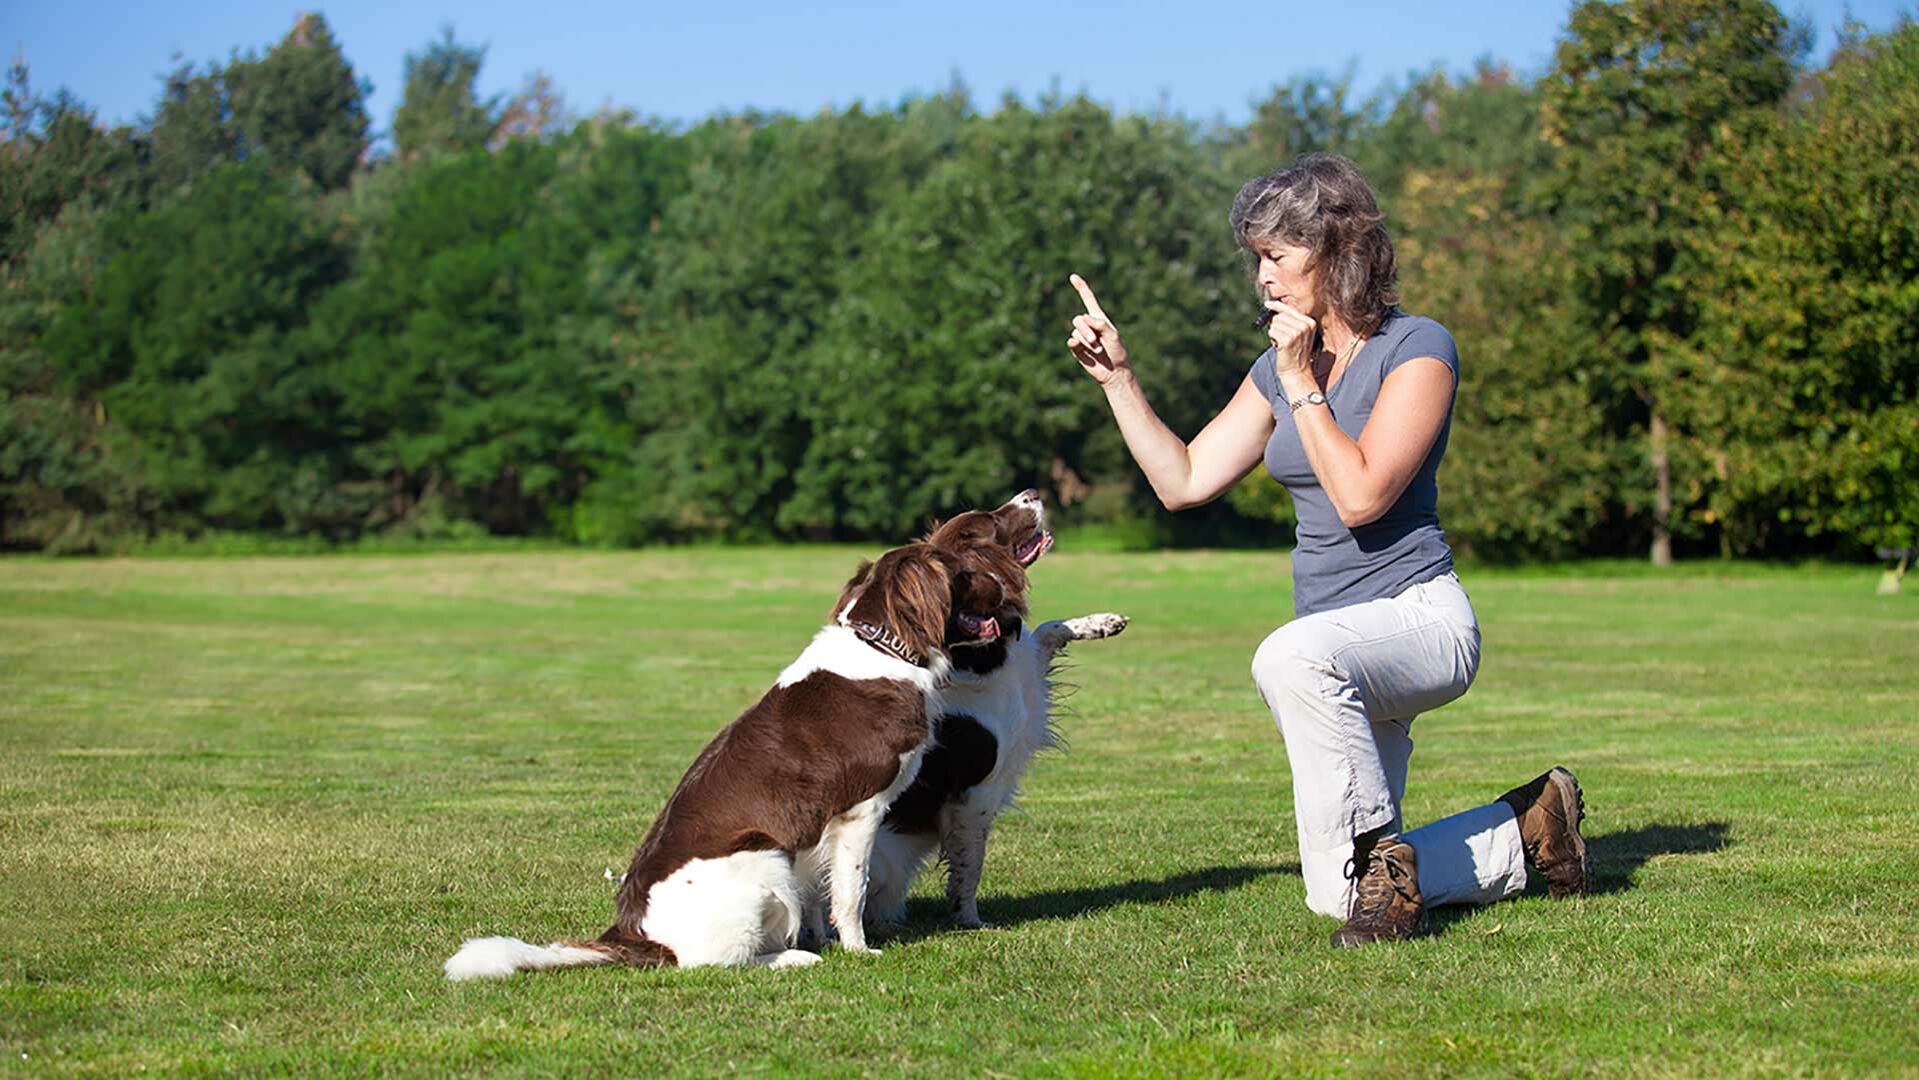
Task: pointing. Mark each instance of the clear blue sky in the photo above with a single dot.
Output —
(1203, 59)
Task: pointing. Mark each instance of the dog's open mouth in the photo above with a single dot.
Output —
(1036, 545)
(981, 627)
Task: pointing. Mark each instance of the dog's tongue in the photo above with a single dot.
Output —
(988, 628)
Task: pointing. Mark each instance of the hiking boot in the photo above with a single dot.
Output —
(1386, 903)
(1549, 811)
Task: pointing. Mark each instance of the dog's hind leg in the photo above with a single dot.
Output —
(810, 867)
(1054, 635)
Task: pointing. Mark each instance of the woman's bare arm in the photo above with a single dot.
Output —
(1192, 474)
(1182, 475)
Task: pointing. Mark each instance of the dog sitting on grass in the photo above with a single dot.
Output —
(793, 792)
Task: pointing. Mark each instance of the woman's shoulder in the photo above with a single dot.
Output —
(1400, 325)
(1412, 336)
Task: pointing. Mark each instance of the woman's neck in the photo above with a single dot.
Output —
(1335, 336)
(1338, 344)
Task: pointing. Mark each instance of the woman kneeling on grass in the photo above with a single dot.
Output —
(1350, 408)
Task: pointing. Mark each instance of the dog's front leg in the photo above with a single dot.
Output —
(852, 853)
(1054, 635)
(963, 831)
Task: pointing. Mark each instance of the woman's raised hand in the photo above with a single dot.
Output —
(1095, 342)
(1293, 335)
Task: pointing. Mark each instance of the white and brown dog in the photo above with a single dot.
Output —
(793, 791)
(997, 715)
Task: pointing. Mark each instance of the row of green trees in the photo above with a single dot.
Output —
(1680, 267)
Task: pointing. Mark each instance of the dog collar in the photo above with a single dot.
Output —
(886, 641)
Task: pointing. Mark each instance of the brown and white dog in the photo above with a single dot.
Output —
(997, 715)
(793, 791)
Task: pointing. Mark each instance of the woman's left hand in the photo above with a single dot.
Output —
(1292, 334)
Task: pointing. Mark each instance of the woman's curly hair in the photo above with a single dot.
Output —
(1324, 205)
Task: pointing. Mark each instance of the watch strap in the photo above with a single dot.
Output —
(1312, 398)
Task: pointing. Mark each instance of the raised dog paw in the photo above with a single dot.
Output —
(1103, 625)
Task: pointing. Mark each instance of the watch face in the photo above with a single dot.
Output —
(1316, 398)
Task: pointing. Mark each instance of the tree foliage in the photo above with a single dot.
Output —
(936, 384)
(1645, 100)
(1801, 387)
(440, 108)
(301, 107)
(298, 110)
(180, 340)
(1680, 269)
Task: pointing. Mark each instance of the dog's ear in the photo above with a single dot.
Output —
(921, 599)
(853, 585)
(910, 593)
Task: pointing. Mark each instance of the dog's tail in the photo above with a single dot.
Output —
(498, 957)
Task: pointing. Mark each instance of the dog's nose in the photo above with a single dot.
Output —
(1030, 495)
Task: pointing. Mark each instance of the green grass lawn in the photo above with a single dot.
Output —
(249, 806)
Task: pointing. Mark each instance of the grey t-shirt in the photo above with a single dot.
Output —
(1335, 566)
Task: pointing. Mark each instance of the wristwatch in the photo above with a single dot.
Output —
(1314, 398)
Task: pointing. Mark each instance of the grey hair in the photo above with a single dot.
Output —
(1323, 204)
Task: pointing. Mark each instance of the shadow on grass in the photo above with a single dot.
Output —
(1616, 857)
(926, 917)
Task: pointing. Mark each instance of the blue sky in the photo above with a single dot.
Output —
(682, 61)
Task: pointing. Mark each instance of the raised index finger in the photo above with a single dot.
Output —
(1086, 296)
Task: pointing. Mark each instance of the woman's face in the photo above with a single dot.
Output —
(1283, 276)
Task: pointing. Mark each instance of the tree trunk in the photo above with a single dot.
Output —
(1662, 494)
